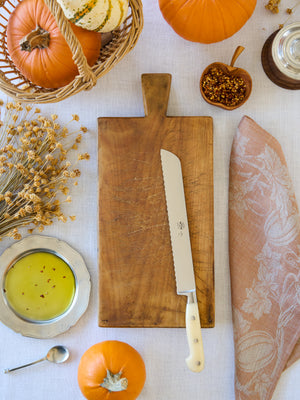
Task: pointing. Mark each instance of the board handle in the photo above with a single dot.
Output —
(156, 89)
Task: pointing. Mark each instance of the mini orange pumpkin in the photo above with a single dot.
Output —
(111, 370)
(40, 51)
(206, 21)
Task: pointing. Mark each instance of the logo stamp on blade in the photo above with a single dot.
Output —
(180, 226)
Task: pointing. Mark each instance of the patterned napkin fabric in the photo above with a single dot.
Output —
(264, 254)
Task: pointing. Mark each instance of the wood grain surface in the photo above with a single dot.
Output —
(136, 274)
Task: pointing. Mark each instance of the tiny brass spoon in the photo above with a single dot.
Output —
(230, 70)
(57, 355)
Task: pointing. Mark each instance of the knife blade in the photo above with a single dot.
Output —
(182, 255)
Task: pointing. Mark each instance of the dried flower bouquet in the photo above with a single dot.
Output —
(35, 172)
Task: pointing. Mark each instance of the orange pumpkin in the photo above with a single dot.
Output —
(39, 50)
(111, 370)
(206, 21)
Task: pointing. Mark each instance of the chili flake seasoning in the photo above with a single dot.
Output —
(219, 87)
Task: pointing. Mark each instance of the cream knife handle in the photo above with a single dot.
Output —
(195, 361)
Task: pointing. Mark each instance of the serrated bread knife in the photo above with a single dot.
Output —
(182, 255)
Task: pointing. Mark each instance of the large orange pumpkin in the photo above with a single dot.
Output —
(206, 21)
(40, 51)
(111, 370)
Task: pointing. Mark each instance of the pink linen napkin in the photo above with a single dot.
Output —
(264, 255)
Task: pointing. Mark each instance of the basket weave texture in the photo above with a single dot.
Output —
(15, 85)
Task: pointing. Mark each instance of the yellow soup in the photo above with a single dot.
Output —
(40, 286)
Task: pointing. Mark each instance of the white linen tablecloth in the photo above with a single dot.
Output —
(119, 94)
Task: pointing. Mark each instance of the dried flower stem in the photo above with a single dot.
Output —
(34, 169)
(289, 11)
(273, 6)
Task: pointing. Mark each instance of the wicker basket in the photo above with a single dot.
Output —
(14, 84)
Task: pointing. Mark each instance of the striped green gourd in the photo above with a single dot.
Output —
(95, 15)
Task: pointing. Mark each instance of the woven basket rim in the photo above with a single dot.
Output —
(133, 26)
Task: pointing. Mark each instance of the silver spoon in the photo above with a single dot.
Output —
(57, 354)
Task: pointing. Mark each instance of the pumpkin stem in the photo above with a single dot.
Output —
(114, 382)
(39, 38)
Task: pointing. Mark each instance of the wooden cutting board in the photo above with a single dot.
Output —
(136, 274)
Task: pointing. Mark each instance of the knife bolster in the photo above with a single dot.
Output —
(191, 297)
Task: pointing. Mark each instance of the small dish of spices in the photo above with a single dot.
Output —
(224, 85)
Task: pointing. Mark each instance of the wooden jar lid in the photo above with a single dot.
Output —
(271, 70)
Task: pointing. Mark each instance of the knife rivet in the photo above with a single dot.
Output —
(196, 340)
(198, 363)
(193, 318)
